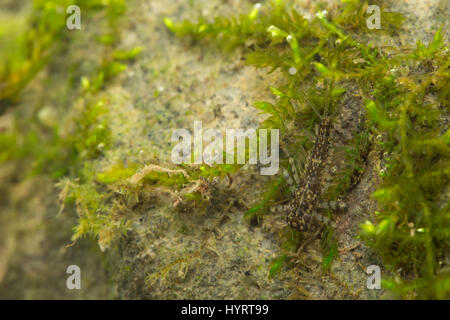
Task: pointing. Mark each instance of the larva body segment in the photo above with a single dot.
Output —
(308, 193)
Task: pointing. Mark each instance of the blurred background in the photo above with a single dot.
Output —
(41, 66)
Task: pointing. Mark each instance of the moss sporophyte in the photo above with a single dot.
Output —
(401, 97)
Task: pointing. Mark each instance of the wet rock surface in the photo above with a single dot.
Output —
(199, 254)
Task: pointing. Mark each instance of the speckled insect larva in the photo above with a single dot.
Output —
(308, 193)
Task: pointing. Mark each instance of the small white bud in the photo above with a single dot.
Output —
(322, 14)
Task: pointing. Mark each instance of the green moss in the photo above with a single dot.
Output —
(412, 229)
(329, 247)
(117, 172)
(317, 59)
(273, 192)
(45, 149)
